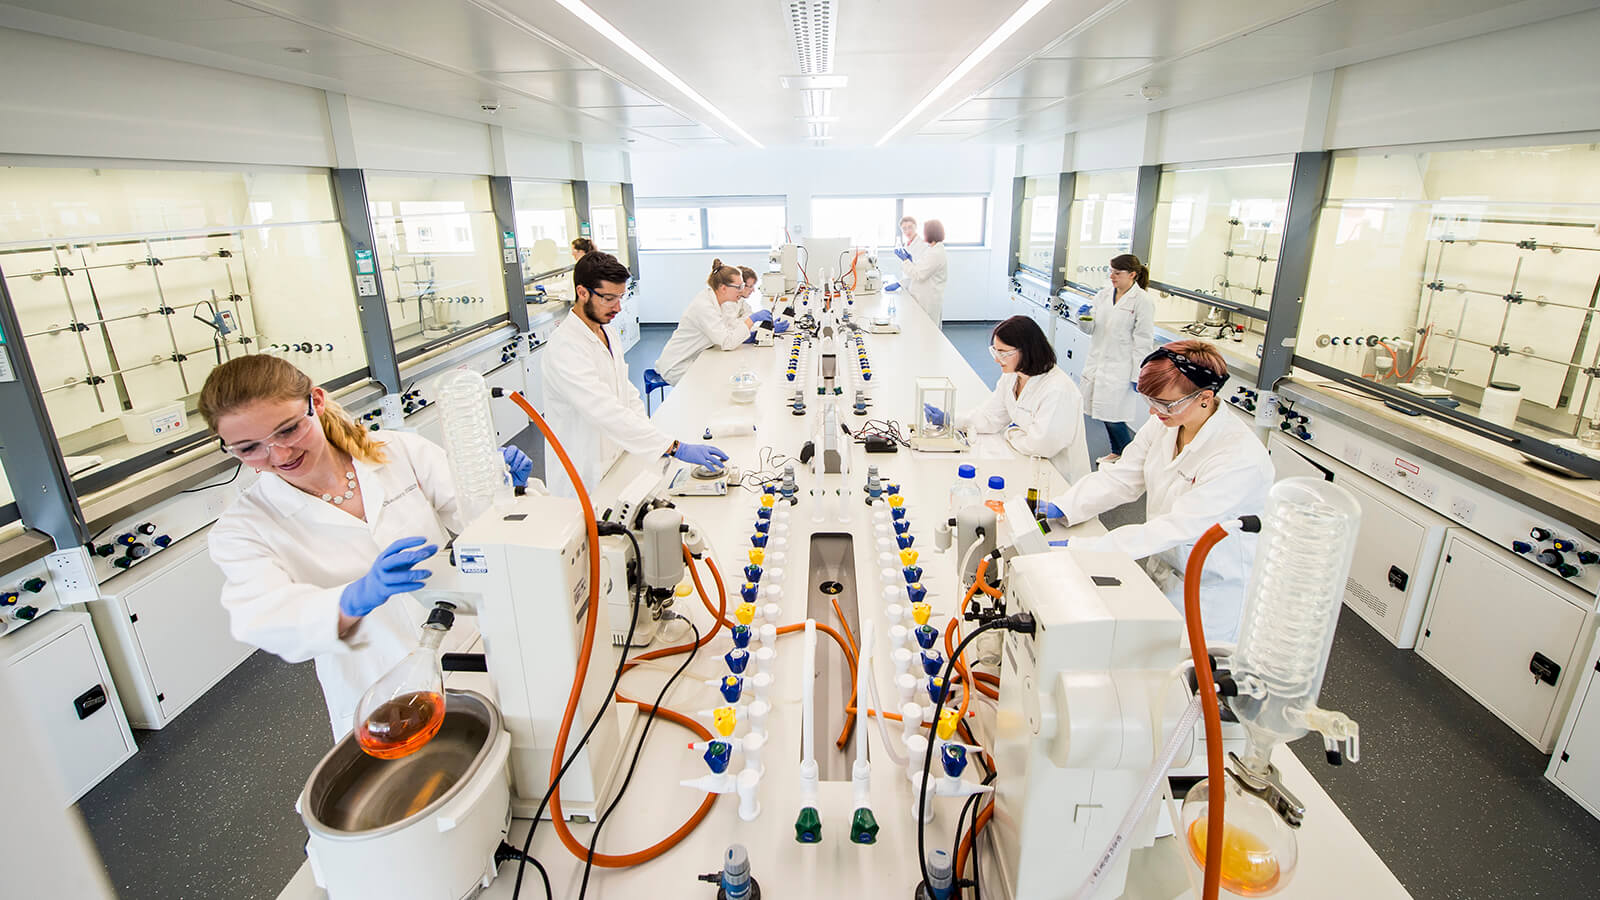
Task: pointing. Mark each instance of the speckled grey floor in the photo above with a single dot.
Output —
(1452, 800)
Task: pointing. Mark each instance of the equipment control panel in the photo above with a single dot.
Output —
(25, 595)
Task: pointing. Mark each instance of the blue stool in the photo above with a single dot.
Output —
(652, 382)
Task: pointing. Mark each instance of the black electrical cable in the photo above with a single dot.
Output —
(1022, 622)
(206, 487)
(622, 662)
(594, 838)
(977, 875)
(505, 851)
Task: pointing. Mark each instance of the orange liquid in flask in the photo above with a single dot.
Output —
(401, 726)
(1249, 867)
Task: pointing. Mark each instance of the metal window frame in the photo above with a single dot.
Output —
(704, 205)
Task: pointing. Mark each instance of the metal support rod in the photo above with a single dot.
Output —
(1308, 185)
(28, 446)
(83, 345)
(172, 335)
(502, 200)
(1066, 189)
(350, 196)
(1145, 196)
(1505, 319)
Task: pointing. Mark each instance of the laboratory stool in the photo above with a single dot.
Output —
(652, 382)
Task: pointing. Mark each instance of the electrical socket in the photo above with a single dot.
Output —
(1462, 508)
(72, 574)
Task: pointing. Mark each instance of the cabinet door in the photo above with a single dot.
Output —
(57, 674)
(1486, 621)
(1579, 770)
(1386, 576)
(183, 630)
(1287, 462)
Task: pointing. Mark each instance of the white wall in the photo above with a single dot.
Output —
(63, 98)
(1118, 146)
(977, 286)
(527, 156)
(405, 140)
(1261, 122)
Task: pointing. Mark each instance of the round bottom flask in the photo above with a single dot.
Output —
(1259, 850)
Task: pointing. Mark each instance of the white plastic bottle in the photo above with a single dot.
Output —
(965, 491)
(994, 496)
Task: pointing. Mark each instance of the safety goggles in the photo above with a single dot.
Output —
(999, 355)
(288, 435)
(1170, 407)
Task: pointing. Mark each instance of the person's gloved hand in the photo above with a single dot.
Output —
(901, 252)
(518, 462)
(1052, 511)
(751, 339)
(1085, 309)
(701, 455)
(892, 287)
(933, 414)
(1134, 385)
(761, 315)
(391, 574)
(780, 326)
(1060, 543)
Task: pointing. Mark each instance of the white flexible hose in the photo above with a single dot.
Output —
(883, 729)
(863, 657)
(1141, 802)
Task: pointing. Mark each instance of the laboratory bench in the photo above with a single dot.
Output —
(1334, 860)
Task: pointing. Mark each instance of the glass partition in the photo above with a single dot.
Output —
(547, 223)
(608, 219)
(1218, 228)
(439, 255)
(1100, 224)
(1440, 272)
(1037, 238)
(132, 284)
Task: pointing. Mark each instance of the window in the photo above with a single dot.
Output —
(1039, 206)
(1100, 224)
(711, 223)
(1218, 226)
(875, 221)
(546, 221)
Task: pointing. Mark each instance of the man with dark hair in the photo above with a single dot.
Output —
(592, 407)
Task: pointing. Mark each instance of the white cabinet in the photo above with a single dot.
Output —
(1072, 348)
(1575, 767)
(1507, 635)
(165, 632)
(67, 686)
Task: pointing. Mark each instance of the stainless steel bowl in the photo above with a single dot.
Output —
(353, 795)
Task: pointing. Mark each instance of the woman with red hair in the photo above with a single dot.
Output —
(1195, 468)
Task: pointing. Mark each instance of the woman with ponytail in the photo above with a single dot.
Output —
(1124, 334)
(333, 528)
(716, 317)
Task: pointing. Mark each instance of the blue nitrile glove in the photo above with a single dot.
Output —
(901, 252)
(933, 414)
(892, 288)
(1060, 543)
(761, 315)
(1052, 511)
(1085, 309)
(519, 464)
(391, 574)
(701, 455)
(780, 326)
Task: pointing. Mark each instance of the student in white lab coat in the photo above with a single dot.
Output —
(320, 554)
(1124, 334)
(1196, 466)
(924, 275)
(1034, 403)
(715, 318)
(751, 297)
(913, 245)
(590, 404)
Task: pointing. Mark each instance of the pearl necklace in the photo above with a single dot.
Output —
(350, 484)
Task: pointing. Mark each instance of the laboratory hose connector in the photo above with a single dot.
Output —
(476, 464)
(1297, 588)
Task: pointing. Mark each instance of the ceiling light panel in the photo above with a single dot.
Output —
(811, 29)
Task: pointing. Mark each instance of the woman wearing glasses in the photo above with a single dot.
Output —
(334, 527)
(1124, 328)
(1034, 403)
(716, 317)
(1195, 468)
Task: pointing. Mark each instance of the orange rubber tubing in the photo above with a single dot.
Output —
(1207, 688)
(557, 820)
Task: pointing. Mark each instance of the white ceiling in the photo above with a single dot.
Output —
(1077, 63)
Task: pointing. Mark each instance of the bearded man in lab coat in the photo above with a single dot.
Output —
(594, 410)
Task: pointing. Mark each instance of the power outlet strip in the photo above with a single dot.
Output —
(72, 574)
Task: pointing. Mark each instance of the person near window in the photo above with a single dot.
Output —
(581, 247)
(1124, 330)
(923, 275)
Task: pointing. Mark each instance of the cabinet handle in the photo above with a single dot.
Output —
(89, 702)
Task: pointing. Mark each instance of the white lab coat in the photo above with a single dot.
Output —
(287, 556)
(705, 324)
(1124, 334)
(596, 412)
(1222, 474)
(926, 273)
(1046, 420)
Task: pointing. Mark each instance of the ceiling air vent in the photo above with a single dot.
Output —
(811, 26)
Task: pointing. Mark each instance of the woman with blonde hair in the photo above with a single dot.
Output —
(716, 317)
(333, 528)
